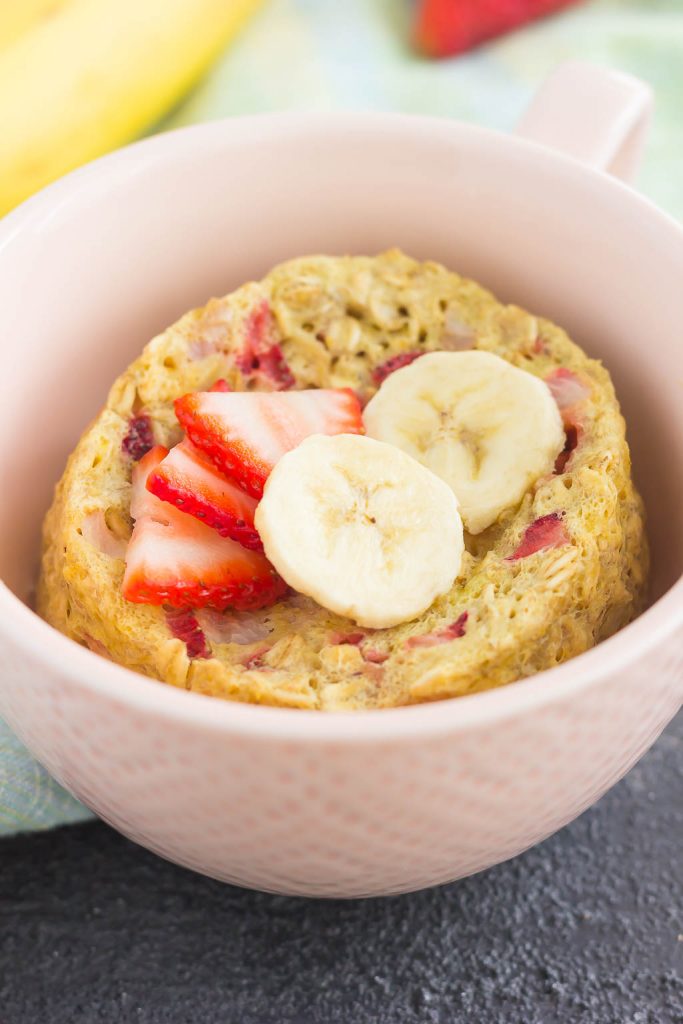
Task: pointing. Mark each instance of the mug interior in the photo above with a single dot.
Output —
(96, 265)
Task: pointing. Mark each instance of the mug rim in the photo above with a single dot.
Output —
(38, 641)
(162, 145)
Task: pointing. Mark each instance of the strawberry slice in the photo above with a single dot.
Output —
(188, 479)
(569, 391)
(245, 434)
(541, 535)
(571, 443)
(173, 559)
(384, 370)
(566, 388)
(440, 636)
(184, 626)
(139, 438)
(445, 27)
(261, 359)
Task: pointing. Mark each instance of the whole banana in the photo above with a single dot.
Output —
(80, 77)
(17, 16)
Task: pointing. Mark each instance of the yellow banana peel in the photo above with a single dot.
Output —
(18, 16)
(80, 77)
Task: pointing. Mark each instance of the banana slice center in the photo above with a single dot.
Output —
(448, 430)
(362, 528)
(368, 506)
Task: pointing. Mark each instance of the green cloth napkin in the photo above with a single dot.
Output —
(325, 55)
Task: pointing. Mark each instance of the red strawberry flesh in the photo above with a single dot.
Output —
(441, 636)
(544, 533)
(571, 443)
(446, 27)
(255, 660)
(375, 656)
(188, 479)
(566, 388)
(384, 370)
(174, 559)
(183, 624)
(569, 391)
(245, 434)
(346, 638)
(262, 356)
(139, 438)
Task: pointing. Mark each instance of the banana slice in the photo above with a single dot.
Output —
(485, 427)
(361, 527)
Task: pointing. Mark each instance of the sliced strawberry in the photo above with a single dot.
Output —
(188, 479)
(174, 559)
(255, 660)
(246, 433)
(184, 625)
(375, 656)
(441, 636)
(446, 27)
(139, 438)
(566, 388)
(371, 654)
(569, 391)
(384, 370)
(262, 357)
(220, 385)
(571, 443)
(544, 533)
(346, 638)
(373, 672)
(230, 627)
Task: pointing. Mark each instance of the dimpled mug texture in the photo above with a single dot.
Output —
(291, 800)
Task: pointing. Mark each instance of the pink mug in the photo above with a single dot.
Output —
(370, 802)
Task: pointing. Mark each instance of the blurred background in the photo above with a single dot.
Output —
(80, 77)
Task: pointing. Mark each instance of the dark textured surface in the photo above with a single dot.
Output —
(585, 928)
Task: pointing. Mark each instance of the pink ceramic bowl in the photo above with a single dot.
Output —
(373, 802)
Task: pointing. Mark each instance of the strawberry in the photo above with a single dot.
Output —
(440, 636)
(446, 27)
(384, 370)
(245, 434)
(569, 391)
(184, 625)
(261, 358)
(375, 656)
(571, 443)
(139, 437)
(173, 559)
(255, 659)
(188, 479)
(371, 654)
(566, 388)
(544, 533)
(346, 638)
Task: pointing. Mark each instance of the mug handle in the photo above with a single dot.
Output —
(592, 114)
